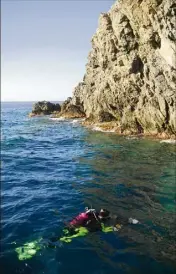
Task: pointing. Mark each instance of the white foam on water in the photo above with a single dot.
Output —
(79, 120)
(75, 121)
(97, 129)
(169, 141)
(57, 119)
(102, 130)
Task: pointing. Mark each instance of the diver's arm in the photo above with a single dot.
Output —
(118, 219)
(93, 225)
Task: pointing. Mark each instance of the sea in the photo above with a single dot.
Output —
(51, 169)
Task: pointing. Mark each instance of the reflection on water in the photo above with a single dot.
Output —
(132, 178)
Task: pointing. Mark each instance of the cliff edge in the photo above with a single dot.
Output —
(130, 76)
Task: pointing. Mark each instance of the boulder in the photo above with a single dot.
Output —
(44, 108)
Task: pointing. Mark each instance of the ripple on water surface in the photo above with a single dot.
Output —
(51, 166)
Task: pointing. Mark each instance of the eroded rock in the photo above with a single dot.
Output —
(71, 109)
(131, 69)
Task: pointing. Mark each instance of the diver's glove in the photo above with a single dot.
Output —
(117, 227)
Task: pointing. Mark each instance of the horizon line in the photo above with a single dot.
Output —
(17, 101)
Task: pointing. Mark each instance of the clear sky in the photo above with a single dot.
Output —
(44, 46)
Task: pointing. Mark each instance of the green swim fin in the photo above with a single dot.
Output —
(28, 250)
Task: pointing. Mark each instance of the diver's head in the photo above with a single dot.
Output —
(104, 214)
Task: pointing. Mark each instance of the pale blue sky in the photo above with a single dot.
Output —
(44, 46)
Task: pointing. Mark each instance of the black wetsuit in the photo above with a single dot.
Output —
(112, 220)
(94, 224)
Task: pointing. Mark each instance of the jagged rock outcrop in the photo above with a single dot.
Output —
(44, 108)
(131, 70)
(70, 110)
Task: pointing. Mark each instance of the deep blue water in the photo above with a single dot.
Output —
(49, 165)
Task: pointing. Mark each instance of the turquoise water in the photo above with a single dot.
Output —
(50, 166)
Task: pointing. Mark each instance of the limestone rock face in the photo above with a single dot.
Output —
(45, 108)
(71, 110)
(131, 70)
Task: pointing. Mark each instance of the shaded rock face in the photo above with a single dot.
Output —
(71, 110)
(45, 108)
(105, 117)
(131, 69)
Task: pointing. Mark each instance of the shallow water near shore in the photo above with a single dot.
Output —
(52, 169)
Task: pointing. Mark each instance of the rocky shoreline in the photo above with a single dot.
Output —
(130, 82)
(71, 112)
(113, 128)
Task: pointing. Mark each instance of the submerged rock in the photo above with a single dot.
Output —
(131, 70)
(44, 108)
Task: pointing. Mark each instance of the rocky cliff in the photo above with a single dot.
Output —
(131, 71)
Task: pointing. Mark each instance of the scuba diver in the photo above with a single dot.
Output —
(88, 221)
(93, 220)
